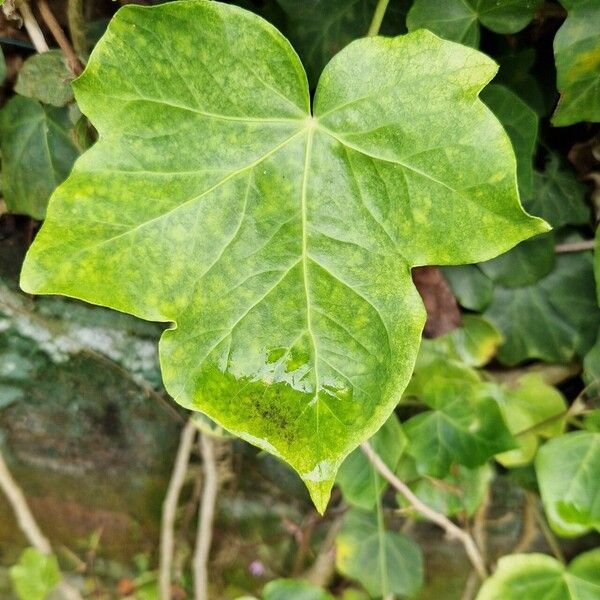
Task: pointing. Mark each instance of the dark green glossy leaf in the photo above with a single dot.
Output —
(472, 288)
(361, 485)
(319, 29)
(558, 196)
(384, 562)
(577, 56)
(46, 77)
(568, 472)
(35, 575)
(465, 426)
(515, 73)
(458, 20)
(37, 153)
(541, 577)
(278, 242)
(521, 124)
(524, 264)
(288, 589)
(554, 319)
(2, 67)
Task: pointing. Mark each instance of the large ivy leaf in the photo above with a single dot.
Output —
(577, 56)
(360, 483)
(278, 242)
(568, 472)
(537, 576)
(458, 20)
(37, 153)
(553, 319)
(558, 196)
(46, 77)
(521, 124)
(319, 29)
(384, 562)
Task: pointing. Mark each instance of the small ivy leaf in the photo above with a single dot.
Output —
(537, 576)
(361, 485)
(521, 124)
(568, 472)
(319, 29)
(558, 196)
(35, 575)
(577, 57)
(473, 344)
(553, 319)
(285, 589)
(460, 492)
(277, 241)
(383, 562)
(525, 264)
(37, 153)
(458, 20)
(46, 77)
(464, 427)
(533, 410)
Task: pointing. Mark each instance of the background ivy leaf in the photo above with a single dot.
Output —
(558, 196)
(524, 264)
(553, 319)
(284, 589)
(577, 56)
(464, 427)
(268, 235)
(458, 20)
(460, 492)
(472, 288)
(532, 410)
(35, 575)
(2, 67)
(384, 562)
(37, 153)
(536, 576)
(360, 483)
(319, 29)
(46, 77)
(568, 472)
(521, 124)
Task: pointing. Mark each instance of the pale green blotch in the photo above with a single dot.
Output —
(278, 241)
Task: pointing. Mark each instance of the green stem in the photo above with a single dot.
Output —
(381, 536)
(77, 25)
(378, 17)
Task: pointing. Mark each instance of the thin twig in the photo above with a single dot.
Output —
(25, 518)
(205, 518)
(60, 37)
(438, 518)
(528, 530)
(541, 521)
(378, 15)
(186, 442)
(471, 585)
(77, 27)
(33, 29)
(28, 524)
(575, 246)
(323, 569)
